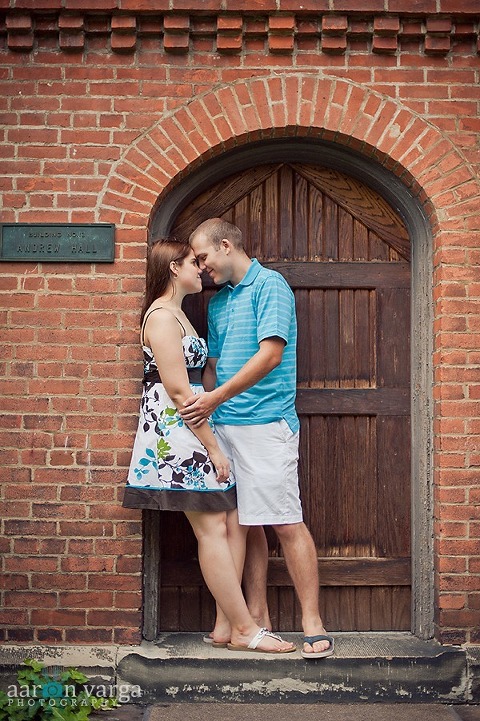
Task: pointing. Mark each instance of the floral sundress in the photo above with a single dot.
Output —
(170, 469)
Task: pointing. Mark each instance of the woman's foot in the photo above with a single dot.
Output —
(262, 641)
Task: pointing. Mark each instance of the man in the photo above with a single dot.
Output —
(251, 372)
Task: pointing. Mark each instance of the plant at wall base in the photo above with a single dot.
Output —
(38, 696)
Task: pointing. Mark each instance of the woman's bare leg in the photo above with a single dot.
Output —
(221, 577)
(237, 541)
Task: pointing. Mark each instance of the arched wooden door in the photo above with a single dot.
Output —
(345, 253)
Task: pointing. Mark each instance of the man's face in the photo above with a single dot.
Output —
(212, 260)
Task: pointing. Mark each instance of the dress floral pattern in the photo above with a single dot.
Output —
(170, 469)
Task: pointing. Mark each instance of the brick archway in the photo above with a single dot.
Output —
(302, 105)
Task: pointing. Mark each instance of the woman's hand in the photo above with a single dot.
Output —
(220, 461)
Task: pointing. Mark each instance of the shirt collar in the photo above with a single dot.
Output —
(250, 275)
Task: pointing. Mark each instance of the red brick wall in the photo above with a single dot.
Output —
(105, 106)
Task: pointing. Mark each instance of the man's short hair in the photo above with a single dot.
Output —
(216, 229)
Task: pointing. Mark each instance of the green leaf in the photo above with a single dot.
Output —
(163, 448)
(35, 665)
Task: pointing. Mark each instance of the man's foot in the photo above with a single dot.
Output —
(208, 639)
(318, 645)
(220, 635)
(262, 619)
(262, 642)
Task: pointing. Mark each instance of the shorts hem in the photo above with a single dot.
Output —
(270, 521)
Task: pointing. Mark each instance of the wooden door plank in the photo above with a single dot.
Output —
(366, 487)
(354, 401)
(381, 609)
(347, 338)
(363, 609)
(361, 245)
(340, 571)
(317, 345)
(330, 229)
(300, 214)
(285, 224)
(271, 234)
(332, 339)
(365, 326)
(317, 503)
(344, 531)
(343, 275)
(190, 613)
(255, 223)
(169, 607)
(393, 324)
(401, 608)
(345, 236)
(394, 508)
(378, 249)
(315, 236)
(307, 338)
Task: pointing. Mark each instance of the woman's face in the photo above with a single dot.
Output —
(189, 274)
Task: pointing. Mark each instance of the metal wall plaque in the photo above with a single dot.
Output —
(58, 242)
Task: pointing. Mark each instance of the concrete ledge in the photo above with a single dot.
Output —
(366, 667)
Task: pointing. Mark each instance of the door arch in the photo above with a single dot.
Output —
(353, 274)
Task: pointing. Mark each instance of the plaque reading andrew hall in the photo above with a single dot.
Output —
(57, 242)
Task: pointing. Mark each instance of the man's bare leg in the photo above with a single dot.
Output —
(255, 576)
(301, 559)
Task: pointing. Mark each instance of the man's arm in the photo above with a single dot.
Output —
(268, 357)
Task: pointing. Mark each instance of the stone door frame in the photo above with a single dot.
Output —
(397, 194)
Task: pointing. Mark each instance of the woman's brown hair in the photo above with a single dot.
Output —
(158, 277)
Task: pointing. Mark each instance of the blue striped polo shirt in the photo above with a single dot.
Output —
(239, 317)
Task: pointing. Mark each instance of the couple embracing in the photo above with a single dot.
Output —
(232, 478)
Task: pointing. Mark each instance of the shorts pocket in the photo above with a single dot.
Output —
(285, 430)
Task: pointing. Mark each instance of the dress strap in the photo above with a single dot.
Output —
(160, 307)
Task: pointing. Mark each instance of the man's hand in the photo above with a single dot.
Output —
(198, 407)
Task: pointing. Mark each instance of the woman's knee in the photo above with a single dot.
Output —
(208, 525)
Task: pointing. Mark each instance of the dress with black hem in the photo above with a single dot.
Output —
(170, 469)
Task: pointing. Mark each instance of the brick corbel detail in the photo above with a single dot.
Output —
(229, 34)
(437, 40)
(71, 32)
(281, 30)
(385, 34)
(283, 33)
(334, 34)
(176, 33)
(20, 32)
(124, 33)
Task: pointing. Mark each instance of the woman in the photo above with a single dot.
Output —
(174, 466)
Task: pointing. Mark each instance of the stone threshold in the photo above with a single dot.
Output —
(179, 667)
